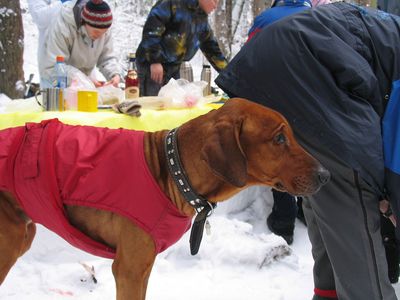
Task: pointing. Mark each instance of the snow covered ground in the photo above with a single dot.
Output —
(240, 260)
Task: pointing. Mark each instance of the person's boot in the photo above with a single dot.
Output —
(282, 228)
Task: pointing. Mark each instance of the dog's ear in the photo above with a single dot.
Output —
(223, 153)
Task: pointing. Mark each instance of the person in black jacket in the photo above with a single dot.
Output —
(173, 33)
(330, 71)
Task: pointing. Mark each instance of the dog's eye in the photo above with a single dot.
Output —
(280, 138)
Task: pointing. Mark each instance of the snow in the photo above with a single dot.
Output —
(241, 259)
(7, 12)
(4, 101)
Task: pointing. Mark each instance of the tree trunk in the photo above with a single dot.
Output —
(364, 2)
(260, 5)
(223, 26)
(12, 81)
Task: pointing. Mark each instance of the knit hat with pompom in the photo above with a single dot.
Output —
(97, 13)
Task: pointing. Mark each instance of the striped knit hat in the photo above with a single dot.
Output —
(97, 13)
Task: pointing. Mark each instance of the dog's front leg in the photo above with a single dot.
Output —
(133, 263)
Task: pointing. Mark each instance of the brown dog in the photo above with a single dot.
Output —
(222, 152)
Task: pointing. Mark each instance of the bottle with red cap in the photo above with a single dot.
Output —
(60, 73)
(131, 79)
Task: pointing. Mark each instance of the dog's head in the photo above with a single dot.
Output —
(250, 144)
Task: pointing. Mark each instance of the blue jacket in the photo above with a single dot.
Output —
(280, 9)
(391, 147)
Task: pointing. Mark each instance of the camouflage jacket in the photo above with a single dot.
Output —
(174, 31)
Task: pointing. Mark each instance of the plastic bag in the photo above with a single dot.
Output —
(182, 92)
(109, 94)
(79, 81)
(154, 102)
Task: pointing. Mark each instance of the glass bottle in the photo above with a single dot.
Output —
(131, 79)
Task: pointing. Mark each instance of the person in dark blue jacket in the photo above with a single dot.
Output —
(173, 33)
(330, 71)
(282, 219)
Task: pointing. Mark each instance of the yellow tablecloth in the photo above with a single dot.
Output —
(150, 120)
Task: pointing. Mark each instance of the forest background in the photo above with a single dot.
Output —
(230, 22)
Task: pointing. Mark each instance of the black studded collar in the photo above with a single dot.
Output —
(199, 203)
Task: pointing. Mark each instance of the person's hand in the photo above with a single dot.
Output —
(157, 73)
(98, 83)
(384, 207)
(114, 81)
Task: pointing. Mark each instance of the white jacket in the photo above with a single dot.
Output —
(80, 52)
(43, 12)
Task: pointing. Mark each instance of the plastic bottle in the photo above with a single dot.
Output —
(206, 76)
(60, 73)
(131, 79)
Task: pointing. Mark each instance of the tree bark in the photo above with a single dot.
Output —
(223, 26)
(12, 81)
(364, 2)
(260, 5)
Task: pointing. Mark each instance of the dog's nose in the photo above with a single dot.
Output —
(323, 175)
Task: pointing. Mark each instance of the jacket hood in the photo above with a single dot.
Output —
(67, 14)
(78, 7)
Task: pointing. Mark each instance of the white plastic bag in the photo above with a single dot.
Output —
(109, 94)
(155, 102)
(182, 92)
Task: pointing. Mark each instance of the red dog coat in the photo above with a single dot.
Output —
(50, 164)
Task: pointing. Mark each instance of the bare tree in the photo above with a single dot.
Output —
(260, 5)
(223, 26)
(11, 49)
(370, 3)
(363, 2)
